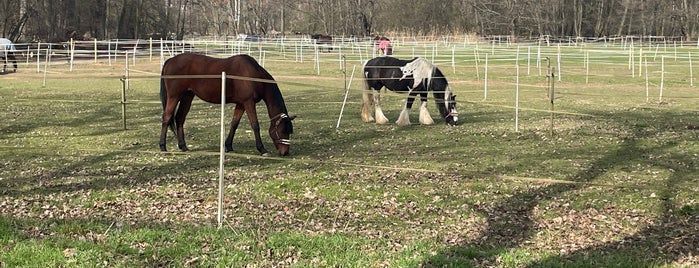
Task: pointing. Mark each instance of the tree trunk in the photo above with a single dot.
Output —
(577, 22)
(600, 16)
(623, 18)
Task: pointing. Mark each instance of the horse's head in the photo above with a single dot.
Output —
(453, 116)
(280, 130)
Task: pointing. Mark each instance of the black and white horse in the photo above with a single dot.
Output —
(415, 77)
(7, 53)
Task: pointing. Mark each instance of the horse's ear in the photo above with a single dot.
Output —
(292, 117)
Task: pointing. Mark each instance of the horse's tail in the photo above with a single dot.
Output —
(367, 96)
(163, 100)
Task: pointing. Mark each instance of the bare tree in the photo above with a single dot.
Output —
(55, 20)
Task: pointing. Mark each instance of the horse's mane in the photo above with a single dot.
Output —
(272, 87)
(421, 69)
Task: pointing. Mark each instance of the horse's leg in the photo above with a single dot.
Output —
(182, 111)
(425, 117)
(168, 112)
(378, 113)
(14, 61)
(367, 102)
(404, 118)
(252, 117)
(237, 114)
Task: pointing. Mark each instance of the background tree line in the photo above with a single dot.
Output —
(59, 20)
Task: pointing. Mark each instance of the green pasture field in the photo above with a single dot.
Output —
(612, 181)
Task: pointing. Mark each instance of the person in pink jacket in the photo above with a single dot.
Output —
(385, 48)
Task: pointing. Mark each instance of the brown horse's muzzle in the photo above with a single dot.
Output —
(284, 152)
(283, 147)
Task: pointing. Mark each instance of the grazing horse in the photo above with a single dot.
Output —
(323, 41)
(182, 79)
(415, 77)
(7, 53)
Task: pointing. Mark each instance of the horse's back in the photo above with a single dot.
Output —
(383, 66)
(199, 64)
(208, 88)
(387, 61)
(193, 64)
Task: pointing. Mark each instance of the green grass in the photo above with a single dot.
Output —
(614, 184)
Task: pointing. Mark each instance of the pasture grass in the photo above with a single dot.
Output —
(614, 183)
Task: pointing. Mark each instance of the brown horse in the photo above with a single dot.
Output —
(182, 79)
(323, 41)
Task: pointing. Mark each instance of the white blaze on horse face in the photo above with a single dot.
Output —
(447, 102)
(447, 99)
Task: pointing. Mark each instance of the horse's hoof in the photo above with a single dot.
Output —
(266, 154)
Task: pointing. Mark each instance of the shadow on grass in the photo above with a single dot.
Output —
(668, 239)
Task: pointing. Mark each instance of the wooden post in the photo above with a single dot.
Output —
(559, 62)
(475, 62)
(538, 58)
(71, 46)
(646, 63)
(95, 41)
(517, 98)
(551, 98)
(691, 72)
(123, 101)
(662, 78)
(38, 57)
(529, 55)
(548, 77)
(640, 61)
(485, 78)
(150, 49)
(587, 67)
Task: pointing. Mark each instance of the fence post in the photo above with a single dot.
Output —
(662, 78)
(646, 73)
(123, 100)
(551, 98)
(222, 150)
(517, 98)
(485, 78)
(691, 72)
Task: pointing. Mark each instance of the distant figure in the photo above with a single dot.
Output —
(7, 52)
(323, 41)
(385, 48)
